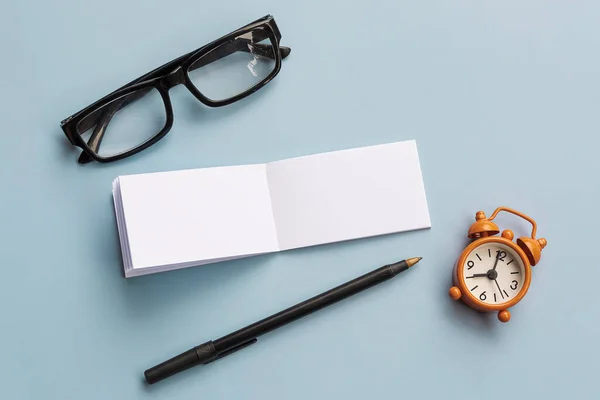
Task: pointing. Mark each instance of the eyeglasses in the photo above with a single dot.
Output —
(137, 115)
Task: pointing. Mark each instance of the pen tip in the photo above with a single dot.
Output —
(413, 261)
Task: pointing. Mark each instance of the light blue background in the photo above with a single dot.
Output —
(503, 99)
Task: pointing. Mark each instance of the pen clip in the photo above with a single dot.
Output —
(234, 349)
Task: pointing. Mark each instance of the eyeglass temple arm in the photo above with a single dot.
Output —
(242, 44)
(101, 124)
(245, 45)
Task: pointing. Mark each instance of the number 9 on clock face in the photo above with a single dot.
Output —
(494, 273)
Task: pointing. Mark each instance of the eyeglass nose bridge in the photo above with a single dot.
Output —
(174, 78)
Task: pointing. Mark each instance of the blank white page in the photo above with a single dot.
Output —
(348, 194)
(191, 216)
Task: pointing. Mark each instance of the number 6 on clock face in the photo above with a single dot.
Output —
(494, 273)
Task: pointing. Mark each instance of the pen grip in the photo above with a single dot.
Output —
(202, 354)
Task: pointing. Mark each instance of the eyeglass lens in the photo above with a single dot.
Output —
(124, 123)
(234, 67)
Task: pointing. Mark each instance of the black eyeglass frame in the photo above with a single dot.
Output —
(167, 76)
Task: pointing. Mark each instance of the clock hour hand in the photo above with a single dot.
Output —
(477, 275)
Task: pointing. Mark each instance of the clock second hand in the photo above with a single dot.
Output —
(500, 290)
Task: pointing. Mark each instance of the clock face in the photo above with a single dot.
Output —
(494, 273)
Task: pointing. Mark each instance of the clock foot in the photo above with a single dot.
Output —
(454, 293)
(504, 316)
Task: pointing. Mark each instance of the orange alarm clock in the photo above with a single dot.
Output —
(493, 273)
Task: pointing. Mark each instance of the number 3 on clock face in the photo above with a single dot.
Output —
(494, 273)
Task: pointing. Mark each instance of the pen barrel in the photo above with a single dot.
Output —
(311, 305)
(202, 354)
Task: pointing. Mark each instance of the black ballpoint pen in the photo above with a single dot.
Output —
(213, 350)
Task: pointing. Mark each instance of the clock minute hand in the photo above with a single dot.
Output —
(496, 263)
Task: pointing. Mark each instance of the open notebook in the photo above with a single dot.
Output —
(177, 219)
